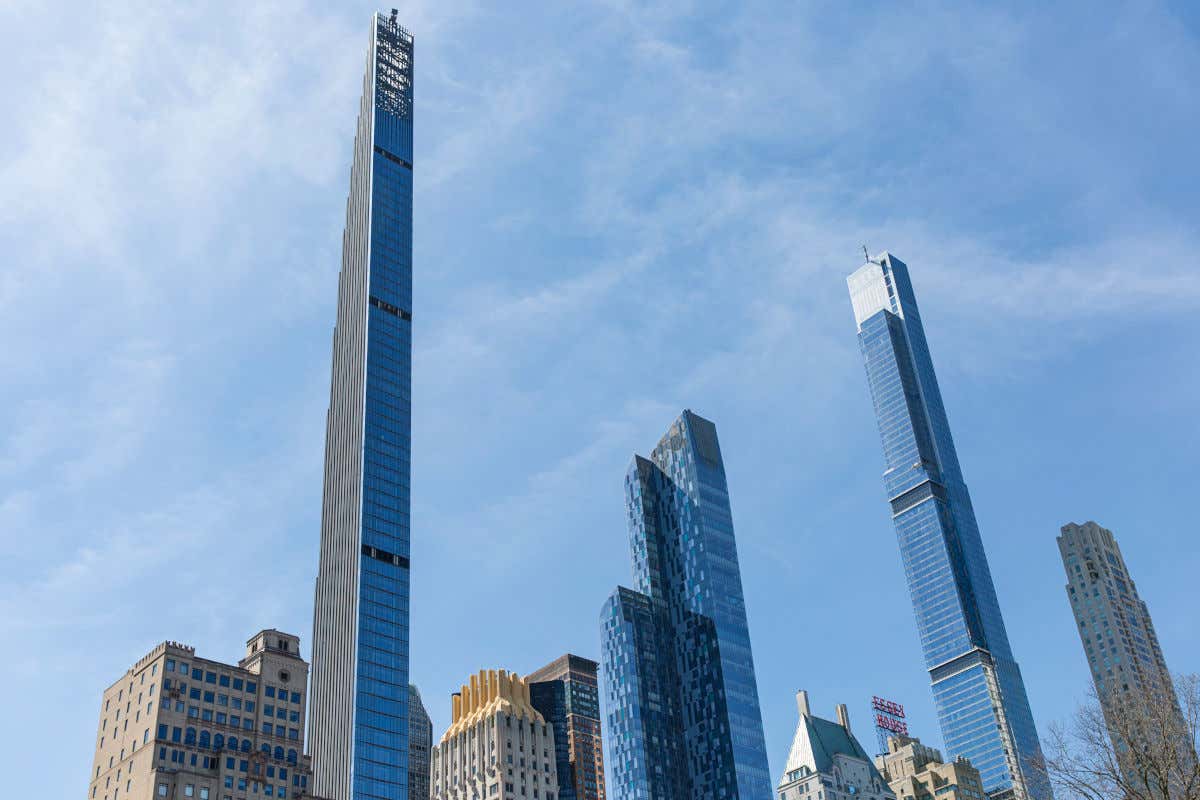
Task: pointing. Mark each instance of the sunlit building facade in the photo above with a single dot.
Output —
(359, 709)
(683, 718)
(566, 692)
(977, 687)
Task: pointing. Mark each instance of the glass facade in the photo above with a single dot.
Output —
(679, 686)
(977, 686)
(420, 745)
(566, 693)
(359, 710)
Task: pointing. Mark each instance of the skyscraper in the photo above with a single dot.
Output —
(1114, 624)
(420, 743)
(977, 686)
(566, 692)
(679, 686)
(359, 709)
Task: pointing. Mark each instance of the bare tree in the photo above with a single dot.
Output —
(1129, 745)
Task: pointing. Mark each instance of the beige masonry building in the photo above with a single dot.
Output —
(498, 746)
(180, 726)
(917, 772)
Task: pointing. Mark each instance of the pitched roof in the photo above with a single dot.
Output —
(818, 740)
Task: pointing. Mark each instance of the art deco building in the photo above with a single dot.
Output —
(916, 772)
(826, 762)
(680, 693)
(420, 745)
(498, 747)
(566, 693)
(1114, 623)
(177, 726)
(359, 724)
(977, 687)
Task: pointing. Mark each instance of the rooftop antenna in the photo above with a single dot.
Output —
(865, 254)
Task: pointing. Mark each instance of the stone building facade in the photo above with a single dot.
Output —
(178, 726)
(498, 747)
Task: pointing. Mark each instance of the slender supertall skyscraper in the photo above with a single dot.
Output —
(977, 686)
(359, 698)
(679, 686)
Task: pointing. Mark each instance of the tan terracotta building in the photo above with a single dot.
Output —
(498, 746)
(917, 772)
(179, 726)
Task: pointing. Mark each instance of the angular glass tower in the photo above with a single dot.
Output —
(420, 745)
(358, 712)
(678, 674)
(977, 687)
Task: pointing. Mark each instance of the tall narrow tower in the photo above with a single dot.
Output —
(359, 698)
(977, 686)
(679, 686)
(1115, 629)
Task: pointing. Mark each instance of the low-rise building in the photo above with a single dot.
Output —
(498, 746)
(916, 772)
(826, 762)
(176, 725)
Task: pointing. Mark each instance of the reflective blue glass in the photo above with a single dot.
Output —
(977, 687)
(359, 698)
(681, 696)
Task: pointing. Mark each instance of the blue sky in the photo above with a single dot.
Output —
(622, 210)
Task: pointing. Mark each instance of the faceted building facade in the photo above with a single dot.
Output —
(498, 746)
(977, 687)
(359, 722)
(420, 742)
(679, 686)
(566, 693)
(1114, 623)
(182, 727)
(826, 762)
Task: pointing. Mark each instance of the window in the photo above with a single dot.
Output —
(279, 753)
(194, 694)
(170, 665)
(237, 684)
(209, 697)
(189, 791)
(236, 703)
(197, 674)
(268, 709)
(222, 699)
(223, 680)
(295, 697)
(249, 706)
(251, 687)
(162, 790)
(291, 757)
(203, 793)
(210, 677)
(270, 691)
